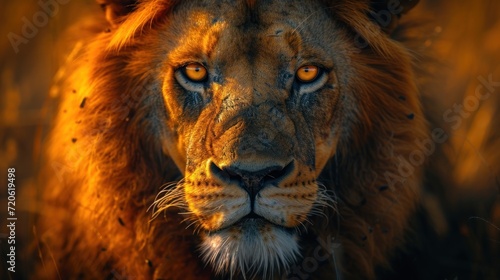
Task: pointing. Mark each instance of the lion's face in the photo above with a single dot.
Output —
(254, 111)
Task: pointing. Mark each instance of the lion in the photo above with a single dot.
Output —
(237, 139)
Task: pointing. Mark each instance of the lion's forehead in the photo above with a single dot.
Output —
(269, 34)
(245, 12)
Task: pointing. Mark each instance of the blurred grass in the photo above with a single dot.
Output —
(26, 111)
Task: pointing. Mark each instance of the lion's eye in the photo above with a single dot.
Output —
(195, 72)
(307, 73)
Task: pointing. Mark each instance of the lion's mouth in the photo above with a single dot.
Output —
(251, 216)
(252, 221)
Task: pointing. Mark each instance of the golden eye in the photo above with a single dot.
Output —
(195, 72)
(307, 74)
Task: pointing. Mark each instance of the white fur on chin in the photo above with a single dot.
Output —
(250, 248)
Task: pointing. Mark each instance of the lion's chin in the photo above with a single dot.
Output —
(251, 247)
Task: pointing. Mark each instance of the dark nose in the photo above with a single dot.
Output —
(253, 181)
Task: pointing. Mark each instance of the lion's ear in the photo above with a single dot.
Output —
(387, 13)
(117, 10)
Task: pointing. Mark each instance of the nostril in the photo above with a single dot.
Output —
(278, 173)
(226, 174)
(218, 172)
(274, 174)
(233, 175)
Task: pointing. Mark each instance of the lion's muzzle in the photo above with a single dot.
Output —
(221, 196)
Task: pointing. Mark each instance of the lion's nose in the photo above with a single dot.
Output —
(253, 181)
